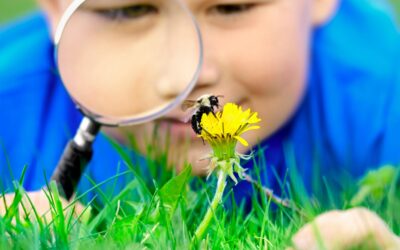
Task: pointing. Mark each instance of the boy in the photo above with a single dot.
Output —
(322, 86)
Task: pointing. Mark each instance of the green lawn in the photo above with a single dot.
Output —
(162, 211)
(11, 9)
(396, 4)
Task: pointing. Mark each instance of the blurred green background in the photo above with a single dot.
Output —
(12, 9)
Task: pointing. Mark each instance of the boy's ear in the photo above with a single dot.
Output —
(53, 11)
(323, 10)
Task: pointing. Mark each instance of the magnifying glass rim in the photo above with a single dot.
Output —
(117, 121)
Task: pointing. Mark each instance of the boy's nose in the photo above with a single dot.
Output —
(210, 73)
(208, 76)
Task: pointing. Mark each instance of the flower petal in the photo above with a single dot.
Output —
(250, 128)
(241, 140)
(253, 118)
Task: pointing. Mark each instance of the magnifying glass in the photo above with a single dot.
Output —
(123, 62)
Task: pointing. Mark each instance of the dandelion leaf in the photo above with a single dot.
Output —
(375, 184)
(173, 190)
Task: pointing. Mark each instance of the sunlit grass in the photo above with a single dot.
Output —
(13, 9)
(396, 4)
(161, 210)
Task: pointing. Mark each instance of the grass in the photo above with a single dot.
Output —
(396, 5)
(163, 209)
(12, 9)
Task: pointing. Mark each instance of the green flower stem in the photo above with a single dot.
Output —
(224, 150)
(201, 229)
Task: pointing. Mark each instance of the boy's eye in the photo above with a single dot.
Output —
(231, 9)
(129, 12)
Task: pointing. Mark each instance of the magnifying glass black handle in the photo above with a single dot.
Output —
(77, 154)
(70, 168)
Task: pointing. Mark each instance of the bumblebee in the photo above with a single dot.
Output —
(205, 104)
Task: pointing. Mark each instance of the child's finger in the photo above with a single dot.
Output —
(357, 227)
(36, 203)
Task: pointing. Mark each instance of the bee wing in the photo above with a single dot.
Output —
(187, 104)
(219, 96)
(189, 115)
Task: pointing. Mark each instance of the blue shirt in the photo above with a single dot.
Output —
(348, 120)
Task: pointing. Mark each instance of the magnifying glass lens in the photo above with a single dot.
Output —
(123, 62)
(128, 61)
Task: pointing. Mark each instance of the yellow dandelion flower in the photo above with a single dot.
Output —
(222, 131)
(228, 125)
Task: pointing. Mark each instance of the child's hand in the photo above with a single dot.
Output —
(41, 204)
(354, 228)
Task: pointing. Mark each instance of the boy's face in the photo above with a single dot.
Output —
(255, 54)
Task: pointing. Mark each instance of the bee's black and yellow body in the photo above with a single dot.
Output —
(206, 105)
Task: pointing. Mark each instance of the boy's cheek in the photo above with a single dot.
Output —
(269, 79)
(270, 62)
(274, 91)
